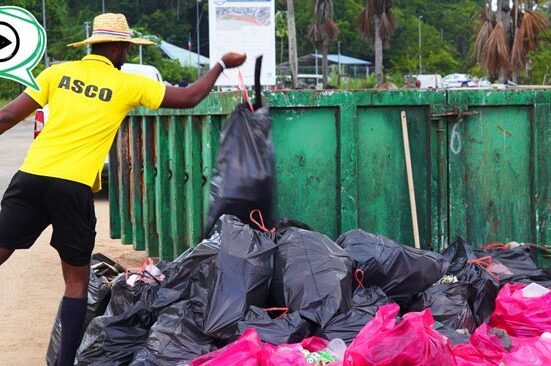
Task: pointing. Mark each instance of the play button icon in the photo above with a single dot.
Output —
(4, 42)
(9, 41)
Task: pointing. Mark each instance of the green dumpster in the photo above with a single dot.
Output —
(481, 166)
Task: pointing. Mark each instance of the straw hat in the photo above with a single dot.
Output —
(110, 27)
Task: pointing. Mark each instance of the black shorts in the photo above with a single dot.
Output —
(33, 202)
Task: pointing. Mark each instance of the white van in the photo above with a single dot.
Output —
(145, 70)
(430, 81)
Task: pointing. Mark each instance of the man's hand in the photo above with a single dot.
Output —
(232, 59)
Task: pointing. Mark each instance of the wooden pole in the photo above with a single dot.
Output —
(410, 181)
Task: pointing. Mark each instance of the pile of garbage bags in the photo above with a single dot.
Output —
(295, 297)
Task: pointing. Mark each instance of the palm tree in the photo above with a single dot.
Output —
(323, 31)
(502, 45)
(377, 24)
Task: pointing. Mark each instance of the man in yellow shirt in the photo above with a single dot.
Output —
(88, 100)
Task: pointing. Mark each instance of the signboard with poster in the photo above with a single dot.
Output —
(243, 26)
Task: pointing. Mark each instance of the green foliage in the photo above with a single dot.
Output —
(447, 33)
(451, 19)
(540, 60)
(396, 78)
(281, 24)
(438, 56)
(10, 89)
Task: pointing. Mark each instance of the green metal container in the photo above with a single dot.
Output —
(481, 165)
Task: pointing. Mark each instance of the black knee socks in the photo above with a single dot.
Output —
(72, 315)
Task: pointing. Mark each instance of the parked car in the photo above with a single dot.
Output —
(459, 81)
(41, 115)
(428, 81)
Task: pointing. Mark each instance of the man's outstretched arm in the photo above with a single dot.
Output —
(16, 111)
(195, 93)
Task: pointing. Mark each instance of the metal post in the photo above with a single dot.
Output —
(339, 58)
(87, 27)
(44, 25)
(420, 45)
(316, 59)
(339, 61)
(140, 54)
(198, 38)
(103, 6)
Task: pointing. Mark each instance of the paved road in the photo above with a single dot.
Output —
(13, 147)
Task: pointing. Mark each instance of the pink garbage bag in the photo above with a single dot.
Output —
(314, 344)
(519, 315)
(410, 342)
(287, 355)
(532, 351)
(484, 349)
(246, 351)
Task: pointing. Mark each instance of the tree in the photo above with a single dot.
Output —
(323, 31)
(291, 28)
(502, 44)
(540, 60)
(281, 30)
(439, 56)
(377, 24)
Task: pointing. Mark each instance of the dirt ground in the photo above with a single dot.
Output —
(31, 287)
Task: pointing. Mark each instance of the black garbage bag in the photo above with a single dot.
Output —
(455, 336)
(98, 297)
(312, 275)
(194, 272)
(486, 287)
(467, 266)
(283, 223)
(400, 271)
(290, 328)
(243, 179)
(346, 326)
(245, 265)
(517, 260)
(450, 304)
(113, 340)
(516, 265)
(539, 276)
(125, 297)
(458, 254)
(176, 337)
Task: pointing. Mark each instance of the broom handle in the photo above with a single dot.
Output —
(410, 181)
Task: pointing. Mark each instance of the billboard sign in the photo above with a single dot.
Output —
(243, 26)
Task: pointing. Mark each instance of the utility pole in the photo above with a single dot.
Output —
(87, 27)
(198, 38)
(420, 45)
(44, 25)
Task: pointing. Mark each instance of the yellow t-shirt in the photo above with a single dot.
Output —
(88, 99)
